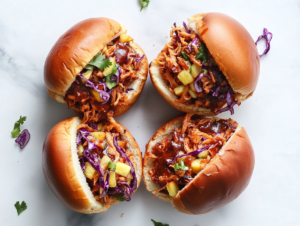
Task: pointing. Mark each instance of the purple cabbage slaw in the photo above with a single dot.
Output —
(268, 40)
(186, 28)
(116, 77)
(23, 138)
(177, 34)
(190, 153)
(230, 103)
(196, 84)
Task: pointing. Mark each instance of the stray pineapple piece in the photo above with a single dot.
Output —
(197, 166)
(192, 87)
(192, 93)
(122, 144)
(104, 49)
(89, 170)
(172, 188)
(203, 154)
(96, 95)
(179, 90)
(195, 70)
(182, 158)
(80, 150)
(99, 135)
(185, 77)
(87, 75)
(122, 169)
(109, 69)
(125, 38)
(112, 179)
(101, 126)
(104, 162)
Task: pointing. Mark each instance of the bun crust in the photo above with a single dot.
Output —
(219, 183)
(232, 48)
(62, 169)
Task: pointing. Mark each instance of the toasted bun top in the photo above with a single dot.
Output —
(220, 182)
(75, 49)
(63, 172)
(232, 47)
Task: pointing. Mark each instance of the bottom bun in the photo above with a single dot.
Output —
(63, 172)
(223, 179)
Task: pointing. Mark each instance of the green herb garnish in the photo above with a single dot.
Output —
(99, 61)
(185, 56)
(202, 53)
(20, 208)
(110, 84)
(181, 166)
(158, 223)
(111, 166)
(144, 3)
(16, 131)
(121, 198)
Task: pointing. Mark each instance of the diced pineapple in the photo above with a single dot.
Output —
(185, 77)
(89, 170)
(109, 69)
(99, 135)
(203, 154)
(122, 169)
(96, 95)
(125, 38)
(104, 162)
(104, 49)
(182, 158)
(101, 126)
(80, 150)
(87, 75)
(179, 90)
(172, 188)
(192, 93)
(195, 70)
(197, 166)
(192, 87)
(112, 179)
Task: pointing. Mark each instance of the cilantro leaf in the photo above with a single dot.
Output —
(202, 53)
(181, 167)
(185, 56)
(110, 84)
(111, 166)
(121, 198)
(144, 3)
(20, 208)
(16, 131)
(158, 223)
(89, 67)
(99, 61)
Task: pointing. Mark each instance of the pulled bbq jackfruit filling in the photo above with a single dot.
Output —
(181, 156)
(192, 74)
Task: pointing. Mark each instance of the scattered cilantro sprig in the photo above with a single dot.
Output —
(112, 166)
(98, 61)
(158, 223)
(185, 56)
(110, 84)
(16, 131)
(144, 3)
(20, 208)
(202, 53)
(181, 166)
(121, 198)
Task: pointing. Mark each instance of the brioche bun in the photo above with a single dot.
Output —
(63, 172)
(76, 48)
(232, 48)
(224, 178)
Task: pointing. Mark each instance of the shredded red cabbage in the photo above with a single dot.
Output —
(128, 90)
(195, 42)
(82, 163)
(23, 138)
(186, 28)
(190, 153)
(196, 84)
(176, 32)
(268, 40)
(119, 190)
(139, 59)
(230, 103)
(116, 77)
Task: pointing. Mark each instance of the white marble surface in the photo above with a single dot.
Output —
(28, 29)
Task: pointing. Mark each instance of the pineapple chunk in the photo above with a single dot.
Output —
(80, 150)
(99, 135)
(89, 170)
(192, 87)
(96, 95)
(109, 69)
(203, 154)
(179, 90)
(125, 38)
(185, 77)
(104, 162)
(195, 70)
(197, 166)
(104, 49)
(122, 169)
(182, 158)
(87, 75)
(112, 180)
(192, 93)
(101, 126)
(172, 188)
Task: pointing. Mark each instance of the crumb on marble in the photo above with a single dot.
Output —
(122, 214)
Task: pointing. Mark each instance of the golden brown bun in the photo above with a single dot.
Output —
(232, 48)
(76, 48)
(62, 168)
(220, 182)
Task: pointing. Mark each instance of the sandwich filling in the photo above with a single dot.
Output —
(181, 156)
(192, 74)
(106, 161)
(106, 80)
